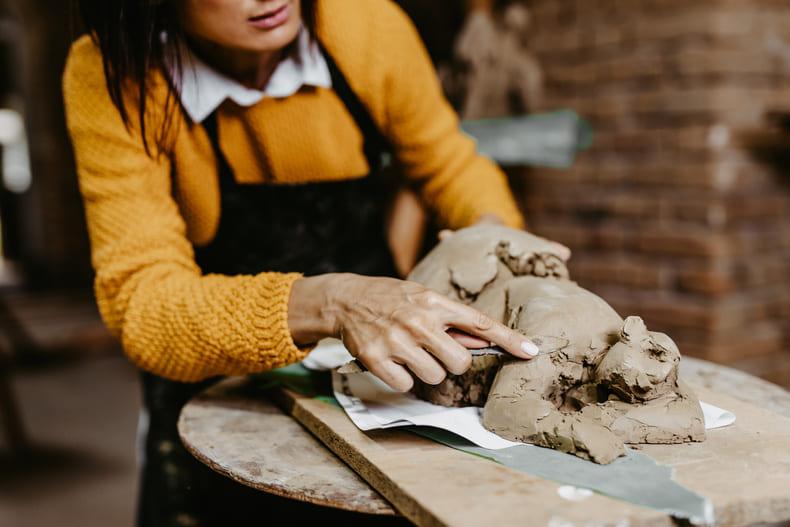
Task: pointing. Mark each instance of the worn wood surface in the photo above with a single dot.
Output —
(250, 440)
(737, 384)
(743, 469)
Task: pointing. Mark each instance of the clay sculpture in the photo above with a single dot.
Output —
(615, 382)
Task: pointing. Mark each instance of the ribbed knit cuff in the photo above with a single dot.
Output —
(276, 347)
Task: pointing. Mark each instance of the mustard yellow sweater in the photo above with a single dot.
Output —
(145, 212)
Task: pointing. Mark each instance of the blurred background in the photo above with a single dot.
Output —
(678, 210)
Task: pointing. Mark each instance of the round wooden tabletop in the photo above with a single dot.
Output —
(243, 435)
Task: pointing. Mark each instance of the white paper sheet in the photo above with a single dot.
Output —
(716, 417)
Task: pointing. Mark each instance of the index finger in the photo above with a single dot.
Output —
(481, 325)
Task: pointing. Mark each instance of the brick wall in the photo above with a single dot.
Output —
(668, 215)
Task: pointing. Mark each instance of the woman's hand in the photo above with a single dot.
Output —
(392, 326)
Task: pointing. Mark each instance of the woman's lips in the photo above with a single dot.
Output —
(272, 18)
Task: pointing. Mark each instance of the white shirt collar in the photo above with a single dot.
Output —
(203, 89)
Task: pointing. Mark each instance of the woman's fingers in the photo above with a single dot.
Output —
(393, 374)
(562, 251)
(395, 359)
(397, 368)
(422, 364)
(481, 325)
(466, 340)
(428, 352)
(454, 357)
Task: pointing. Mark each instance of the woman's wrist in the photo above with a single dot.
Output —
(313, 307)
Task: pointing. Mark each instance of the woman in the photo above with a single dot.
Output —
(228, 155)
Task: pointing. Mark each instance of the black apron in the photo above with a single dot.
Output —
(311, 228)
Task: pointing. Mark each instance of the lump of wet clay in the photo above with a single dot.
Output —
(615, 382)
(468, 389)
(466, 264)
(471, 267)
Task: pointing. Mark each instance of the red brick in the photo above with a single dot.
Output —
(725, 62)
(574, 236)
(718, 211)
(662, 308)
(619, 270)
(683, 240)
(708, 210)
(759, 207)
(612, 236)
(758, 340)
(668, 216)
(590, 201)
(670, 171)
(628, 140)
(765, 270)
(766, 237)
(757, 344)
(707, 280)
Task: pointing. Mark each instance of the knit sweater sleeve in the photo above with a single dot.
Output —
(459, 184)
(171, 320)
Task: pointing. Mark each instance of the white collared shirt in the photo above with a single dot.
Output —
(203, 89)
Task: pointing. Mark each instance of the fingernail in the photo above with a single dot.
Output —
(529, 348)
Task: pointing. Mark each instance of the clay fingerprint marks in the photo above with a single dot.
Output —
(650, 404)
(469, 389)
(563, 309)
(641, 366)
(552, 403)
(520, 408)
(593, 441)
(673, 418)
(534, 257)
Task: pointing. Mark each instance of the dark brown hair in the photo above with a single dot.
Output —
(130, 36)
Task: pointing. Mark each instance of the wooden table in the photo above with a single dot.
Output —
(251, 440)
